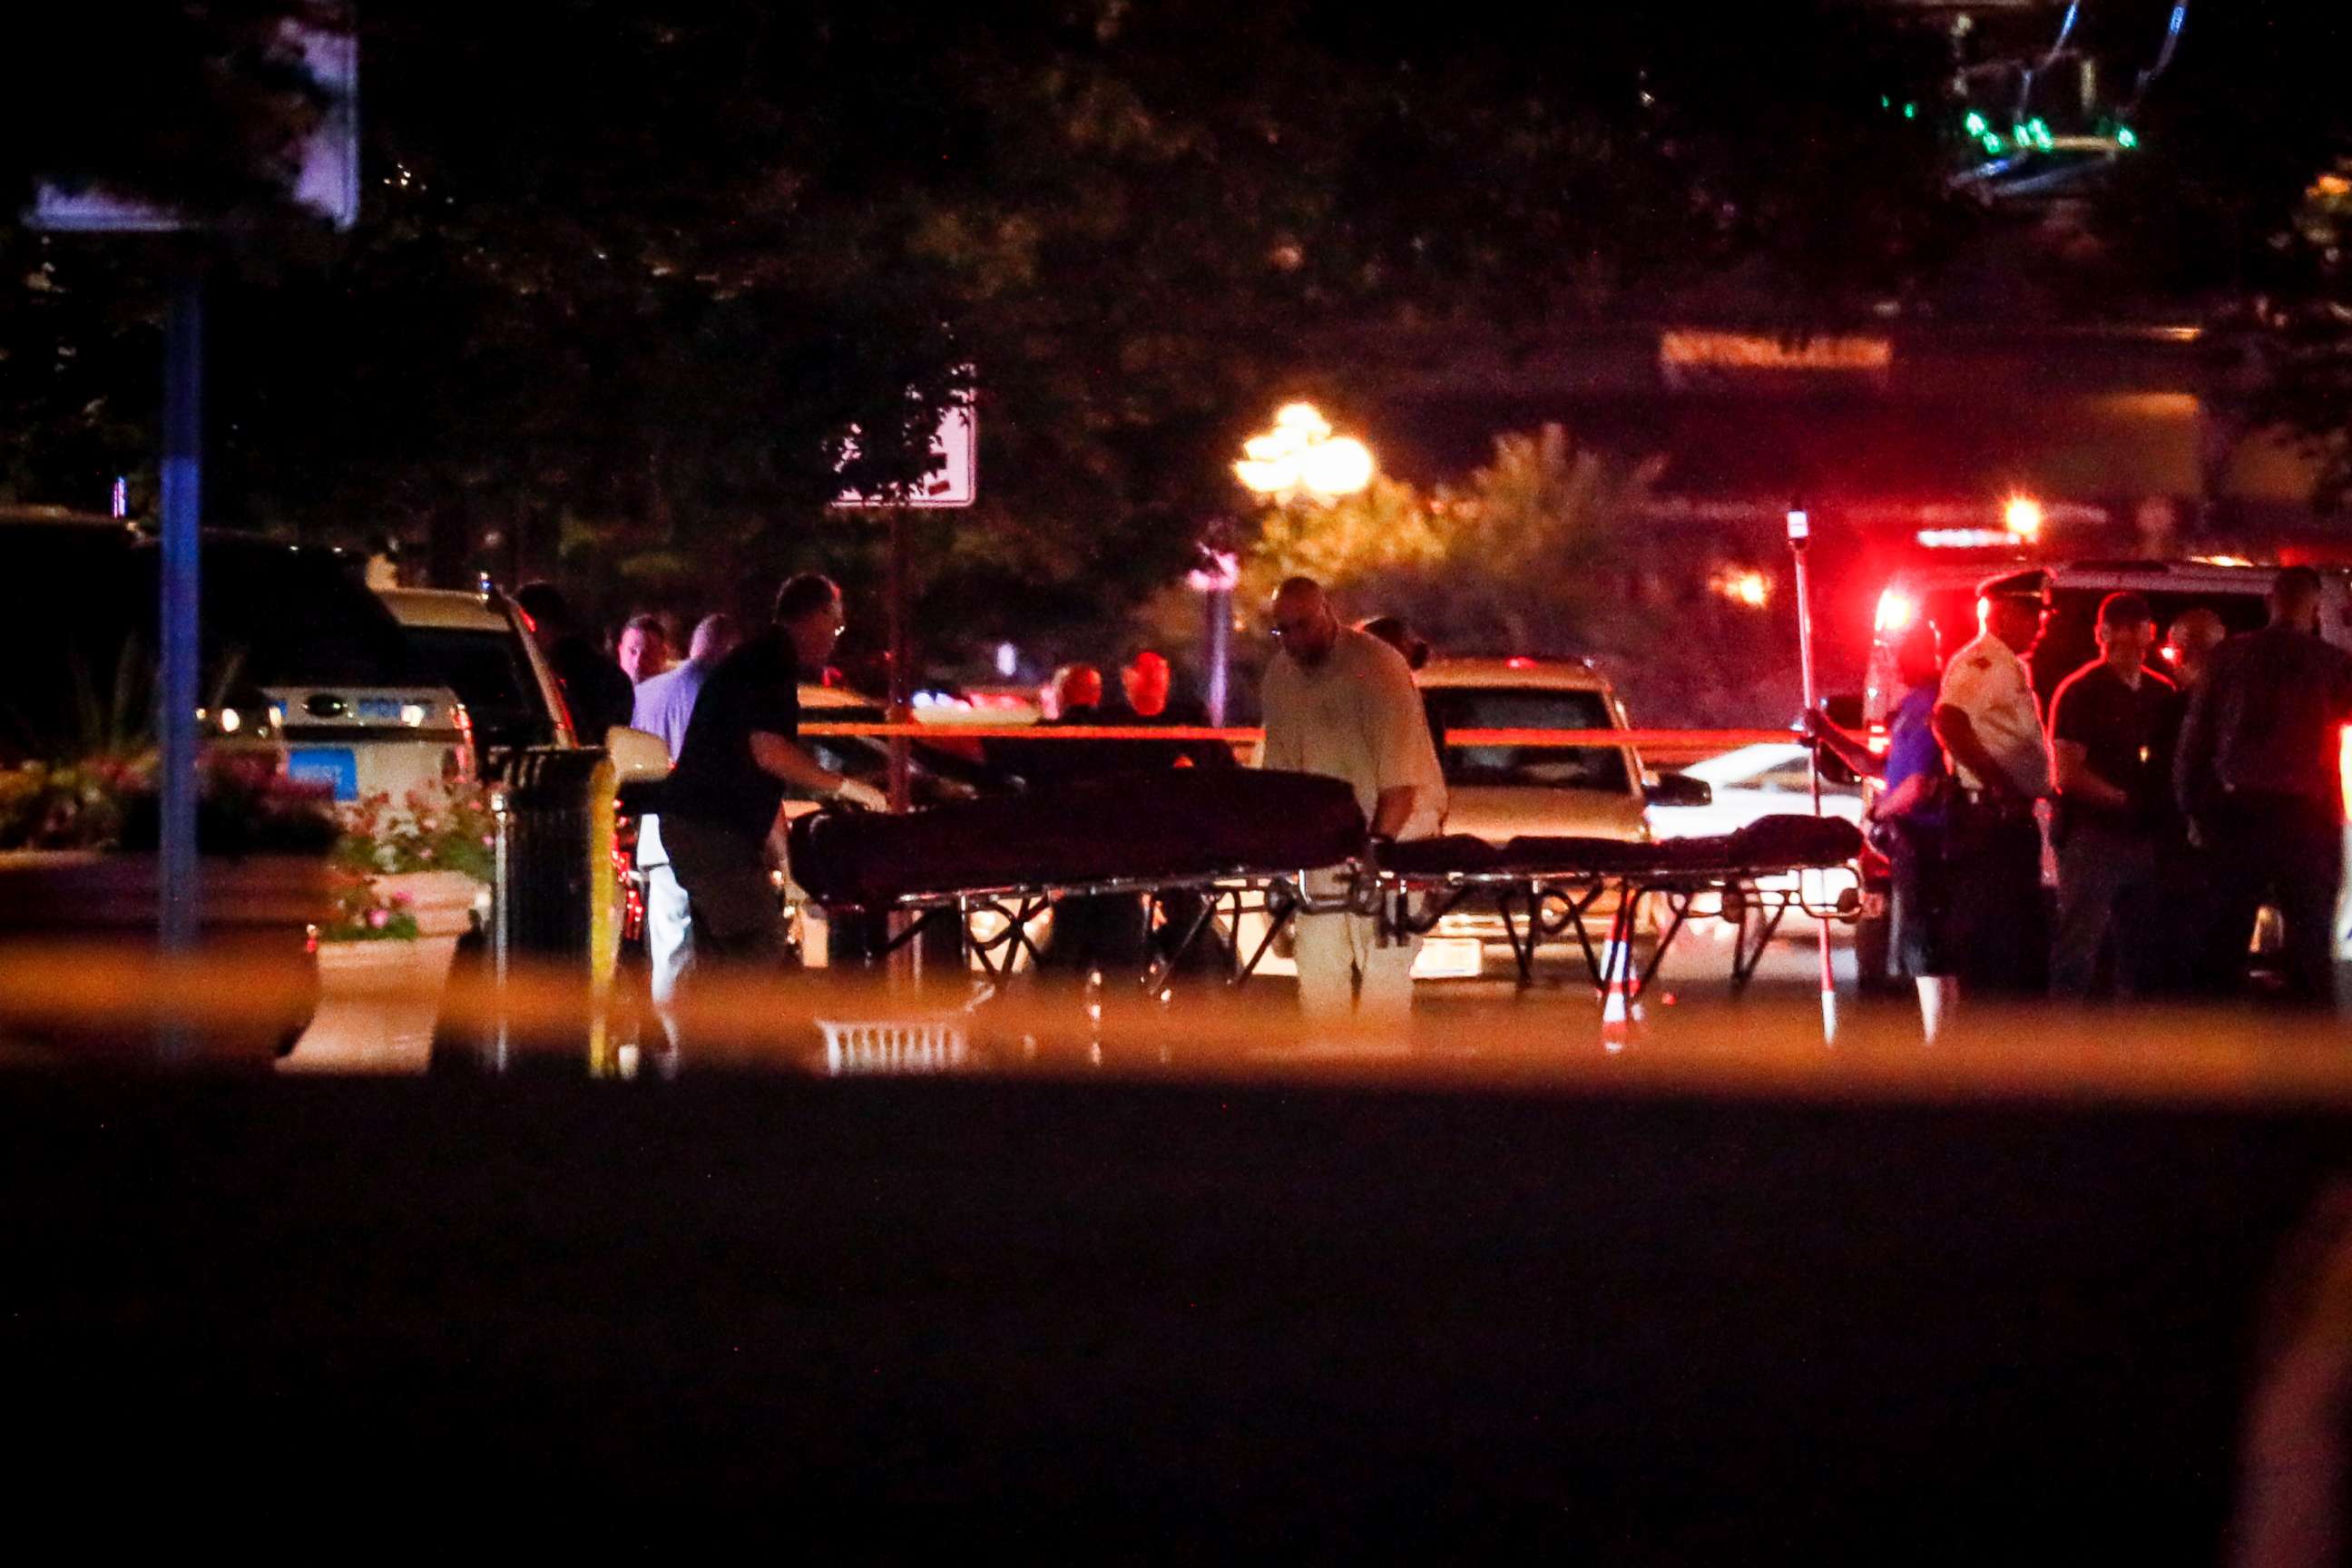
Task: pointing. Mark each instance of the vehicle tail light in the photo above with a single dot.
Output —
(2344, 765)
(1519, 661)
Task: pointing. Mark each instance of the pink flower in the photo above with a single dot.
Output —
(379, 918)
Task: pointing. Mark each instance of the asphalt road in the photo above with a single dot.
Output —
(1296, 1317)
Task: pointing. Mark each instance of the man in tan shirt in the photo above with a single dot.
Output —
(1342, 703)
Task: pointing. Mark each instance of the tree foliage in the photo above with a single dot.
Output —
(628, 274)
(1532, 554)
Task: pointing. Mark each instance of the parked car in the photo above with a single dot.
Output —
(294, 648)
(297, 662)
(476, 643)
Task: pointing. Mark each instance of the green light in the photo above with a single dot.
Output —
(2125, 139)
(1910, 111)
(1976, 123)
(1884, 101)
(1993, 144)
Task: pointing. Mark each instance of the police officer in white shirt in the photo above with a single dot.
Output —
(1342, 703)
(1990, 728)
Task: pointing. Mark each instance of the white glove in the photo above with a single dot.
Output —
(859, 793)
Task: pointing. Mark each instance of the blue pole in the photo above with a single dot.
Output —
(177, 694)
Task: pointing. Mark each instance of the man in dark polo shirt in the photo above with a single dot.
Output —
(2257, 771)
(741, 756)
(2109, 723)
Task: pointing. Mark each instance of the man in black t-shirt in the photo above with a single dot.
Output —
(740, 755)
(2110, 724)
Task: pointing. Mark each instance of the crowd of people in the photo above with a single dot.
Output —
(1338, 701)
(2176, 808)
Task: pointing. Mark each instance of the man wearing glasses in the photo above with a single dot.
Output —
(741, 756)
(1342, 703)
(1990, 728)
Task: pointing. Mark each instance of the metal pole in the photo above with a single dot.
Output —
(905, 961)
(1799, 536)
(177, 639)
(901, 692)
(502, 920)
(1220, 601)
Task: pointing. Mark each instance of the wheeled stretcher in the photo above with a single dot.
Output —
(1544, 887)
(1252, 838)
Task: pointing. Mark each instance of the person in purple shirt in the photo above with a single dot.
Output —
(664, 704)
(665, 701)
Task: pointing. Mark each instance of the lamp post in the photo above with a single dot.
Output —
(1299, 458)
(1801, 534)
(1213, 580)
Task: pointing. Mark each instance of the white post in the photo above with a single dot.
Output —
(1799, 536)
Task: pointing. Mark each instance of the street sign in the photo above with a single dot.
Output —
(954, 476)
(326, 166)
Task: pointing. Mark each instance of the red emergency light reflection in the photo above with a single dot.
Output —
(2344, 766)
(1896, 611)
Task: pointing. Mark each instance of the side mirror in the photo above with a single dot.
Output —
(637, 757)
(1681, 789)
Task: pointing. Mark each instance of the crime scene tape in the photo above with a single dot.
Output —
(1703, 741)
(65, 1006)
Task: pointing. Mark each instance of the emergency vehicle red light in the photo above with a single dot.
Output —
(1896, 611)
(2344, 765)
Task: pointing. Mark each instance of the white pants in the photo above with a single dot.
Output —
(669, 929)
(1344, 971)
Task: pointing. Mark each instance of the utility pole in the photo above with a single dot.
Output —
(176, 690)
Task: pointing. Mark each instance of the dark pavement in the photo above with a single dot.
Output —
(1144, 1318)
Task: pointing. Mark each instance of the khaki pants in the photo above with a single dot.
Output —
(1344, 972)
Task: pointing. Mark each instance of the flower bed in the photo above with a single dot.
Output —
(444, 830)
(409, 877)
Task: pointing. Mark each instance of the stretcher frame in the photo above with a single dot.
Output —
(1552, 903)
(1557, 903)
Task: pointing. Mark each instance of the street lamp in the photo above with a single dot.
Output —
(1300, 459)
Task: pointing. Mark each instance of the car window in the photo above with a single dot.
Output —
(492, 677)
(297, 618)
(1527, 708)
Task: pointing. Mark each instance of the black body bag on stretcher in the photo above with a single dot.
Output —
(1178, 825)
(1769, 843)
